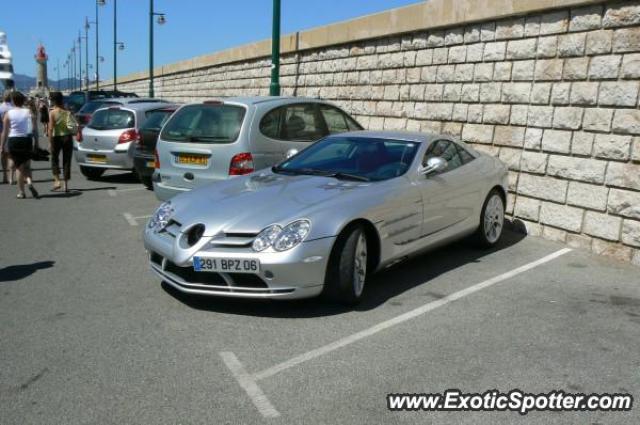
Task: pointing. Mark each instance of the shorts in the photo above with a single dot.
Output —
(20, 149)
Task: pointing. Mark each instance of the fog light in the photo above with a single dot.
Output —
(268, 274)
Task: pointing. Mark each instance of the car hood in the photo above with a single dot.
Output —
(250, 203)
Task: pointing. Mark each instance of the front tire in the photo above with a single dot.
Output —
(347, 270)
(491, 220)
(91, 173)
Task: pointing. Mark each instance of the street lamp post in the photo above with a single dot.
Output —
(98, 3)
(58, 73)
(86, 50)
(115, 45)
(73, 66)
(80, 58)
(161, 21)
(274, 88)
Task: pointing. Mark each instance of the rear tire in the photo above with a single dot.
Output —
(347, 269)
(146, 181)
(91, 173)
(491, 220)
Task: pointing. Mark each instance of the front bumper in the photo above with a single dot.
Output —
(165, 192)
(118, 158)
(293, 274)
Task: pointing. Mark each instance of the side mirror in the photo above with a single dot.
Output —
(290, 153)
(434, 165)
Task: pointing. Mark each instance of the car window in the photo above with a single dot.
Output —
(155, 120)
(295, 123)
(91, 107)
(205, 123)
(446, 150)
(271, 123)
(465, 156)
(368, 158)
(337, 121)
(112, 119)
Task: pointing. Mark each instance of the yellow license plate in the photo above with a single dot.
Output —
(97, 159)
(192, 159)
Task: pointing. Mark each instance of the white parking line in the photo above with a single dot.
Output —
(133, 221)
(248, 383)
(310, 355)
(114, 192)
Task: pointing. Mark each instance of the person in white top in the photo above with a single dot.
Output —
(17, 129)
(7, 166)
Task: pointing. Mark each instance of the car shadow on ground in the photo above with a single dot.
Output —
(21, 271)
(93, 189)
(380, 288)
(70, 194)
(124, 178)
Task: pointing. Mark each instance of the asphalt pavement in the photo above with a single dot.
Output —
(89, 336)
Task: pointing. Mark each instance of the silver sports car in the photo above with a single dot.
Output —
(325, 219)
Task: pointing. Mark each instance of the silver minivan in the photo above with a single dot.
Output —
(110, 138)
(209, 141)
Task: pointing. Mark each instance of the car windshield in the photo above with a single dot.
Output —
(155, 119)
(91, 107)
(206, 123)
(353, 158)
(112, 119)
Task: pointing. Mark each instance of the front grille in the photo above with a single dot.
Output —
(191, 276)
(245, 280)
(156, 259)
(238, 280)
(233, 240)
(194, 234)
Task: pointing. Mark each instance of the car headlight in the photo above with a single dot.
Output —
(266, 238)
(292, 235)
(282, 239)
(161, 217)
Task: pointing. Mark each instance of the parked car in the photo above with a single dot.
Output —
(143, 154)
(328, 217)
(75, 100)
(110, 137)
(210, 141)
(83, 116)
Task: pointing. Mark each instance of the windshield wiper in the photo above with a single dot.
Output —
(322, 173)
(348, 176)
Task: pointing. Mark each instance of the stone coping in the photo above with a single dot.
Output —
(420, 16)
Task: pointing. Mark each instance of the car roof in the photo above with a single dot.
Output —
(144, 106)
(411, 136)
(256, 100)
(129, 100)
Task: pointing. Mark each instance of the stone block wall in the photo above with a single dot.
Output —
(554, 94)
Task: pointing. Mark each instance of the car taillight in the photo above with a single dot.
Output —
(127, 136)
(156, 160)
(241, 163)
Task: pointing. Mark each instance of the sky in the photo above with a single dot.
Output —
(192, 28)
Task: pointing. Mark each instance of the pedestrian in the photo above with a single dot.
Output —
(17, 127)
(35, 134)
(7, 164)
(61, 129)
(44, 116)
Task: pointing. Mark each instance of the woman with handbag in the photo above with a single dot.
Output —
(62, 125)
(17, 129)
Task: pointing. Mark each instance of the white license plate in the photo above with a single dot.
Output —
(226, 265)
